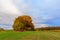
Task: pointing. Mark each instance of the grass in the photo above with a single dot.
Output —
(30, 35)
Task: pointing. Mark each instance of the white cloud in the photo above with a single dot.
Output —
(7, 6)
(0, 17)
(23, 7)
(40, 25)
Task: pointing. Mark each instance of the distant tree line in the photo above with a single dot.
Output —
(49, 28)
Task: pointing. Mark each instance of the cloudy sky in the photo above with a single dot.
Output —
(43, 12)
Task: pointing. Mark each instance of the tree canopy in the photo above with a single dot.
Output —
(22, 23)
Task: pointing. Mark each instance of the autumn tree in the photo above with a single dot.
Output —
(22, 23)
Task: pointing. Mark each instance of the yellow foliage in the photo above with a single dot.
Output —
(23, 23)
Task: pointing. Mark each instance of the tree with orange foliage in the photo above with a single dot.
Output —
(23, 23)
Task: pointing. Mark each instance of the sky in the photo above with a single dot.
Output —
(43, 12)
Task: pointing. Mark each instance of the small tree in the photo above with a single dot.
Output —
(1, 29)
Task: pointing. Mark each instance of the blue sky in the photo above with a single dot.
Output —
(42, 11)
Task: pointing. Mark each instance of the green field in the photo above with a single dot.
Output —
(30, 35)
